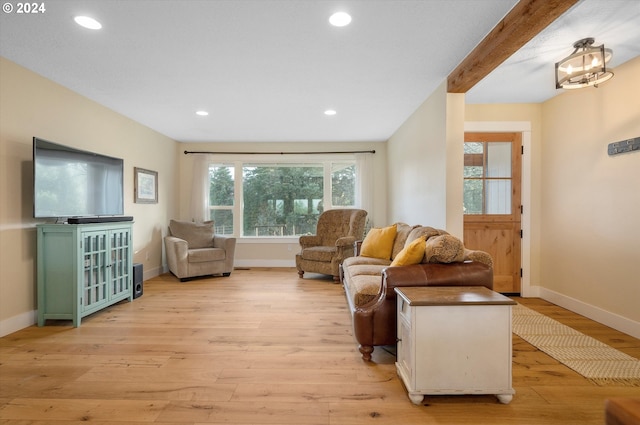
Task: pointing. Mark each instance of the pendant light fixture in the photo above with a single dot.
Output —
(586, 66)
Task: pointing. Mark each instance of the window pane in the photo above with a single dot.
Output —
(498, 196)
(343, 185)
(473, 196)
(281, 199)
(221, 185)
(223, 221)
(499, 159)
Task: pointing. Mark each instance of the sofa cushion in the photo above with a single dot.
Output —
(379, 242)
(202, 255)
(357, 260)
(413, 253)
(402, 232)
(443, 249)
(197, 235)
(319, 253)
(364, 288)
(426, 231)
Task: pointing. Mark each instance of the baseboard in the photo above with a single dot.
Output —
(613, 320)
(264, 263)
(157, 271)
(16, 323)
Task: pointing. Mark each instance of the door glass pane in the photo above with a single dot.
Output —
(499, 159)
(498, 196)
(473, 196)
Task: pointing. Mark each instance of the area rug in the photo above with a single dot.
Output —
(596, 361)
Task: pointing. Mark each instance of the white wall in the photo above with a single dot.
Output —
(34, 106)
(425, 161)
(590, 229)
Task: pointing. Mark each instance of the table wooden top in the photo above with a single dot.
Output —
(452, 295)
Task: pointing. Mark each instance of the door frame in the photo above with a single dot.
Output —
(523, 127)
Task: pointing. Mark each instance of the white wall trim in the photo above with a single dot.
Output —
(264, 263)
(613, 320)
(16, 323)
(524, 127)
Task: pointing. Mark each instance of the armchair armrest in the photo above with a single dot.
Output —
(309, 240)
(177, 251)
(346, 241)
(228, 243)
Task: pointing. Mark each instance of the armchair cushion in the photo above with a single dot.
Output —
(379, 242)
(202, 255)
(197, 235)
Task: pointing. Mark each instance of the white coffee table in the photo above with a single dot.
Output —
(454, 340)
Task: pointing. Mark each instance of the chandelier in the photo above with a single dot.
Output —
(586, 66)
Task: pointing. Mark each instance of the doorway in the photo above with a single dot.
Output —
(492, 203)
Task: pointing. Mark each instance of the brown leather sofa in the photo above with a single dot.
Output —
(369, 285)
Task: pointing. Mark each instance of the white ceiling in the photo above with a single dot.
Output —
(266, 70)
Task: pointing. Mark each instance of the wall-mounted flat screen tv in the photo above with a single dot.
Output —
(69, 182)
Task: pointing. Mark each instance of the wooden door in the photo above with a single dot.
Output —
(492, 208)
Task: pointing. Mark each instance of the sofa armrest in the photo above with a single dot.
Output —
(375, 322)
(357, 246)
(436, 274)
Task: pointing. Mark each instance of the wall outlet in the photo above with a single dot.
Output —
(146, 256)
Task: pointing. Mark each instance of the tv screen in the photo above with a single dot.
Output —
(70, 182)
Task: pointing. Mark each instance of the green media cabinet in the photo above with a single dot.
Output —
(83, 268)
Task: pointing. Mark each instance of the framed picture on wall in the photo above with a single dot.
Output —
(145, 186)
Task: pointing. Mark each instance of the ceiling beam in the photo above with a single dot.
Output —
(521, 24)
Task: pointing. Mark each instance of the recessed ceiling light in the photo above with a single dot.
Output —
(340, 19)
(87, 22)
(330, 112)
(202, 113)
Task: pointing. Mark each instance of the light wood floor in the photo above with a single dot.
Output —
(261, 347)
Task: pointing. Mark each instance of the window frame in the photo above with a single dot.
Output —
(238, 164)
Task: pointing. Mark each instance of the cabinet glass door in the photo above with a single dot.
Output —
(120, 278)
(95, 269)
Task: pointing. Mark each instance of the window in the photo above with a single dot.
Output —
(487, 178)
(277, 199)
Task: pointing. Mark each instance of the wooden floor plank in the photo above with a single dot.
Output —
(262, 347)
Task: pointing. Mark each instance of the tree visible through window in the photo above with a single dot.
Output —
(283, 199)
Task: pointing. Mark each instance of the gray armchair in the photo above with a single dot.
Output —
(336, 232)
(194, 250)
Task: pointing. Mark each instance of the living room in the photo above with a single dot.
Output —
(580, 251)
(580, 201)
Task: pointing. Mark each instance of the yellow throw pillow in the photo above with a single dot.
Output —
(411, 254)
(379, 243)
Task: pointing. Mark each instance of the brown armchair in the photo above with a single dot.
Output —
(336, 232)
